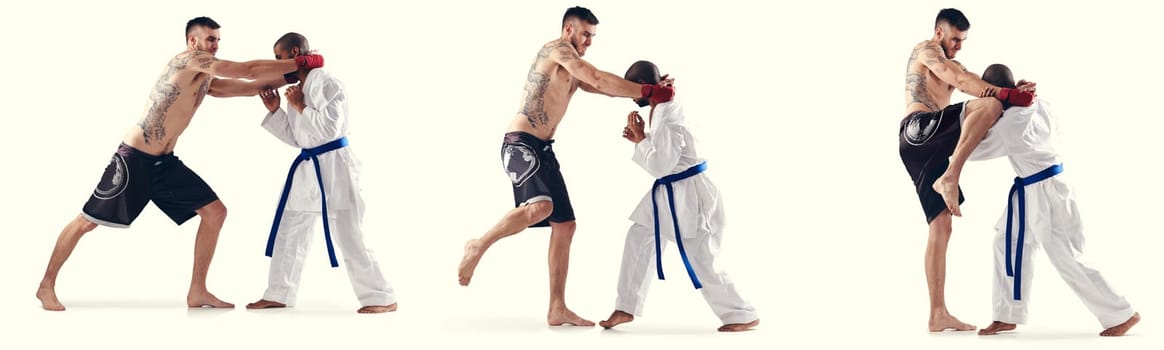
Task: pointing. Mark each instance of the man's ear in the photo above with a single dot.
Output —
(295, 52)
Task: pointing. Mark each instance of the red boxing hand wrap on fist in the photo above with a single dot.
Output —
(309, 61)
(658, 94)
(1016, 97)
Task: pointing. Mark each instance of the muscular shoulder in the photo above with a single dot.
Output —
(191, 59)
(187, 64)
(557, 51)
(926, 49)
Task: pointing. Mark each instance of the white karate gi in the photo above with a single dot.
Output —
(324, 119)
(1025, 135)
(668, 149)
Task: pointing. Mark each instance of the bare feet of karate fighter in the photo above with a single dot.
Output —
(1115, 331)
(619, 317)
(1122, 328)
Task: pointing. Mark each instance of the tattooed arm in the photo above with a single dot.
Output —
(234, 87)
(257, 69)
(965, 70)
(590, 77)
(953, 72)
(586, 87)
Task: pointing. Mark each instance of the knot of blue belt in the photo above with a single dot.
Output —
(313, 155)
(1014, 261)
(666, 182)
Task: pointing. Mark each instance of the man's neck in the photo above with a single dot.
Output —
(303, 73)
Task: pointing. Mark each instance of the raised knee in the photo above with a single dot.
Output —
(991, 106)
(213, 212)
(539, 210)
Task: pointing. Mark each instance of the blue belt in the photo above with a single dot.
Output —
(666, 182)
(312, 154)
(1014, 265)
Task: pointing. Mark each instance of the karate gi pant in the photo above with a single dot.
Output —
(702, 245)
(1053, 223)
(293, 243)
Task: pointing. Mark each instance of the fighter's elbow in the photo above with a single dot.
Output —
(597, 82)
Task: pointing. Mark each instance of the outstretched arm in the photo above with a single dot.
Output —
(255, 70)
(586, 87)
(592, 79)
(235, 87)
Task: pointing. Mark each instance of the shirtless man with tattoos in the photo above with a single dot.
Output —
(144, 167)
(539, 191)
(928, 137)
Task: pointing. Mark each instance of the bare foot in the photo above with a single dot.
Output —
(376, 309)
(469, 261)
(941, 323)
(266, 304)
(996, 327)
(558, 317)
(1121, 328)
(948, 188)
(616, 318)
(205, 299)
(48, 299)
(739, 327)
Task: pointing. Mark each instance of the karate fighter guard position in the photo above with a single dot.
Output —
(539, 190)
(934, 141)
(1040, 212)
(144, 167)
(327, 183)
(682, 206)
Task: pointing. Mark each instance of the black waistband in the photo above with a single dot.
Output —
(128, 151)
(527, 138)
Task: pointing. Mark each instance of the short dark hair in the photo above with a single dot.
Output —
(292, 40)
(999, 75)
(954, 18)
(643, 72)
(581, 13)
(201, 22)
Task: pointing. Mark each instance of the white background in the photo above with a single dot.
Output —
(795, 105)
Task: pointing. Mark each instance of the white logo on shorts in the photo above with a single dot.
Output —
(522, 167)
(114, 181)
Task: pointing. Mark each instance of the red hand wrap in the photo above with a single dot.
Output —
(658, 94)
(1016, 97)
(309, 61)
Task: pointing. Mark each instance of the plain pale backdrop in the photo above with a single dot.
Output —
(795, 105)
